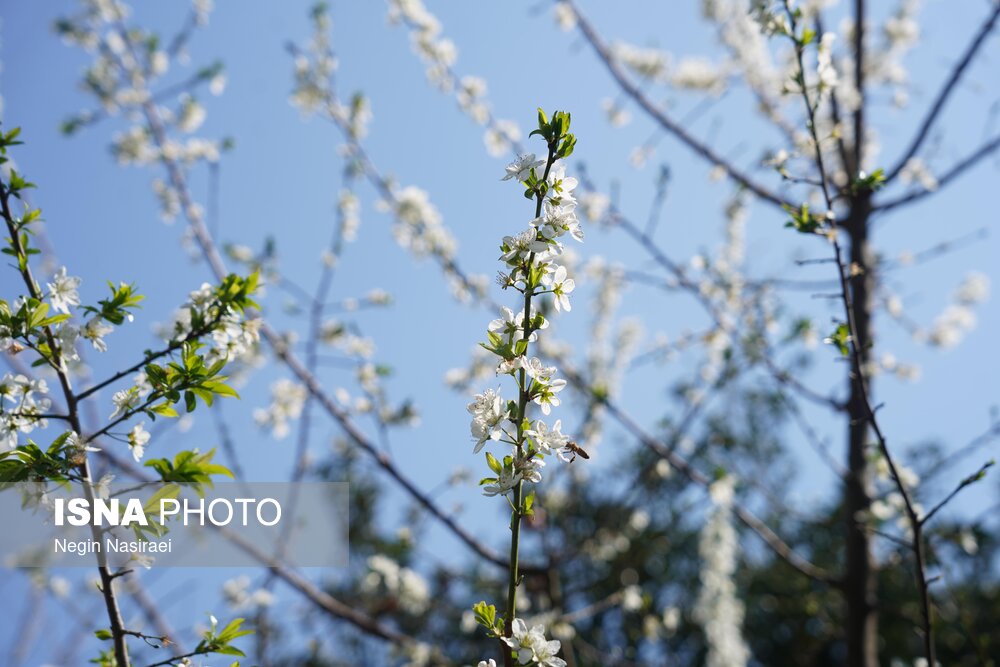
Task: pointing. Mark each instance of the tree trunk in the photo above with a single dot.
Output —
(860, 583)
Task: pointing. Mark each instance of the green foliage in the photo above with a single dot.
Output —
(28, 321)
(220, 641)
(29, 462)
(559, 141)
(189, 378)
(804, 221)
(868, 182)
(841, 339)
(105, 659)
(486, 616)
(192, 467)
(116, 309)
(15, 182)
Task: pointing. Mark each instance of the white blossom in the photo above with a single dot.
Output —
(95, 330)
(531, 645)
(561, 287)
(520, 248)
(137, 439)
(616, 114)
(916, 171)
(697, 73)
(488, 412)
(512, 326)
(63, 291)
(529, 468)
(26, 399)
(287, 400)
(565, 18)
(239, 596)
(975, 288)
(825, 70)
(550, 439)
(191, 116)
(501, 136)
(124, 401)
(505, 482)
(102, 489)
(647, 63)
(521, 168)
(387, 578)
(595, 205)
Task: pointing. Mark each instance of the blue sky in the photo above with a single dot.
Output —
(282, 178)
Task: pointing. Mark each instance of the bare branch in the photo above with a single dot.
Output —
(959, 168)
(946, 91)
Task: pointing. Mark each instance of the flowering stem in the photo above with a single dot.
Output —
(522, 407)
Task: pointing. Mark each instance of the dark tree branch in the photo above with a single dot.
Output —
(959, 168)
(946, 91)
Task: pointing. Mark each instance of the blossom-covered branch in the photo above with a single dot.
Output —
(531, 268)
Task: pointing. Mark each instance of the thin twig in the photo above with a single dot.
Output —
(959, 168)
(660, 116)
(971, 479)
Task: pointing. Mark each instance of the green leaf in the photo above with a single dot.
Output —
(486, 616)
(164, 410)
(841, 339)
(543, 120)
(166, 492)
(232, 631)
(529, 502)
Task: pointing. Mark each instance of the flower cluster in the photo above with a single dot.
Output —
(21, 401)
(238, 594)
(233, 336)
(63, 296)
(287, 400)
(439, 54)
(388, 579)
(718, 609)
(531, 647)
(956, 320)
(418, 223)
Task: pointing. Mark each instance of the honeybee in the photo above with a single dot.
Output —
(577, 451)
